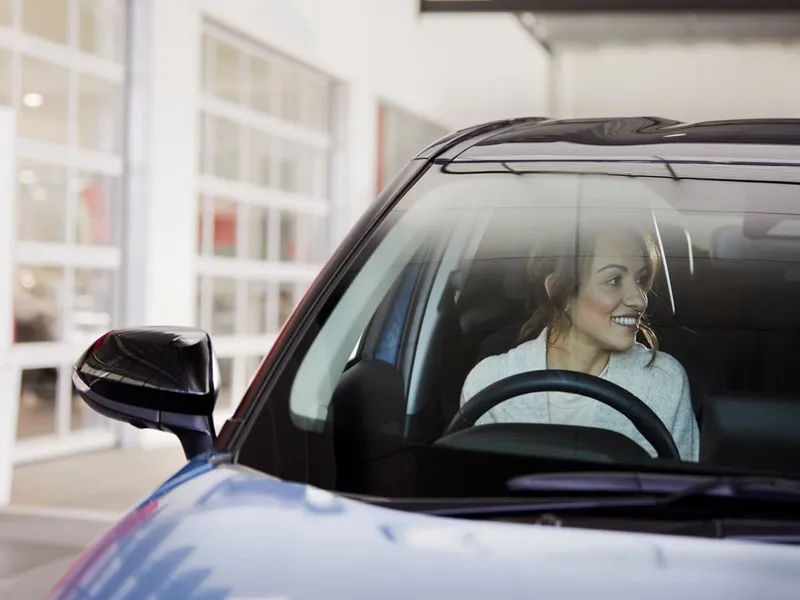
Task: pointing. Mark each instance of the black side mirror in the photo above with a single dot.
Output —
(163, 378)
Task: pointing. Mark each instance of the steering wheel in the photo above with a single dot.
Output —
(552, 380)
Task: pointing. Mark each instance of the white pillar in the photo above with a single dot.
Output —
(9, 372)
(162, 222)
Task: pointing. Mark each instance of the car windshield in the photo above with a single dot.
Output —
(670, 289)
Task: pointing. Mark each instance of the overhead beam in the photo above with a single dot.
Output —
(578, 6)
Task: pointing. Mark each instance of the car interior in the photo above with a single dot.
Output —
(725, 309)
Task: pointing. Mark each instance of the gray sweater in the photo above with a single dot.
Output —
(663, 386)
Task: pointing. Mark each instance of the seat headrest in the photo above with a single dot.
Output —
(515, 279)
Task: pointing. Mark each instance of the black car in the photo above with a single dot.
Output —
(580, 323)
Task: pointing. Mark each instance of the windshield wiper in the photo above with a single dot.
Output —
(566, 492)
(671, 486)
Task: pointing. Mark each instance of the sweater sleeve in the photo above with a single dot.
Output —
(684, 428)
(478, 379)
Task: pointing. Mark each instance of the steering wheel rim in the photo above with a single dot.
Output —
(642, 416)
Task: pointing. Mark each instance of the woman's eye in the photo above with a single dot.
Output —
(614, 280)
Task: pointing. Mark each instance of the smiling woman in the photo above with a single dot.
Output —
(590, 293)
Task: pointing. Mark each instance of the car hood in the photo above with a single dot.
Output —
(226, 532)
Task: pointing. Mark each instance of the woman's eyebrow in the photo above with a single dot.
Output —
(622, 268)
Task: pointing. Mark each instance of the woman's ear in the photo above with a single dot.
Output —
(548, 285)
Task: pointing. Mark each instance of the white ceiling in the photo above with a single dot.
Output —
(559, 31)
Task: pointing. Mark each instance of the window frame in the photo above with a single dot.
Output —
(263, 131)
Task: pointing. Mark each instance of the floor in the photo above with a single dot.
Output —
(58, 508)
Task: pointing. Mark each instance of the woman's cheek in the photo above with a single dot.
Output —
(601, 303)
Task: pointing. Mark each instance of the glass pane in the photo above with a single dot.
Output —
(261, 150)
(316, 247)
(5, 77)
(318, 173)
(98, 211)
(199, 304)
(223, 307)
(207, 64)
(38, 297)
(101, 28)
(252, 365)
(202, 217)
(99, 115)
(83, 417)
(227, 72)
(257, 306)
(319, 106)
(306, 176)
(37, 403)
(225, 223)
(289, 176)
(288, 238)
(290, 96)
(225, 148)
(93, 303)
(43, 108)
(258, 233)
(46, 19)
(261, 85)
(5, 12)
(41, 202)
(225, 398)
(286, 301)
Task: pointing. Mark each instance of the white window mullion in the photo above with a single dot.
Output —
(231, 346)
(69, 58)
(270, 56)
(16, 58)
(16, 15)
(206, 302)
(64, 400)
(206, 209)
(255, 269)
(239, 378)
(62, 255)
(82, 160)
(253, 194)
(267, 123)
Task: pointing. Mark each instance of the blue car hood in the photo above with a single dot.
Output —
(226, 532)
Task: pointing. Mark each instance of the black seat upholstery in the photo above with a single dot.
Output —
(367, 417)
(752, 431)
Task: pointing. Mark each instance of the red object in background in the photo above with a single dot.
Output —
(96, 201)
(225, 230)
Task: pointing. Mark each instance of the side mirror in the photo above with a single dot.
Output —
(164, 378)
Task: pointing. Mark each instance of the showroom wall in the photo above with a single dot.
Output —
(448, 71)
(689, 82)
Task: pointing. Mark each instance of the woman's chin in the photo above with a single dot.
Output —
(622, 342)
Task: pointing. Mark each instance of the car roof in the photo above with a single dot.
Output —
(525, 138)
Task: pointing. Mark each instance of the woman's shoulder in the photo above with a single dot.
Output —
(641, 356)
(498, 366)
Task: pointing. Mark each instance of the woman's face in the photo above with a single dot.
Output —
(613, 296)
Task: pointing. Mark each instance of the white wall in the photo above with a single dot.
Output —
(455, 71)
(690, 82)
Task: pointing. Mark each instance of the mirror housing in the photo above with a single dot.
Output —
(164, 378)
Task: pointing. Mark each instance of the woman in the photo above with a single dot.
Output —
(590, 300)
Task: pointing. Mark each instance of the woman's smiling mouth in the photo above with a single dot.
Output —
(626, 321)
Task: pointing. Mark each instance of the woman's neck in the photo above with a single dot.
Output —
(572, 352)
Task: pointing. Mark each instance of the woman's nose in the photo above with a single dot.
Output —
(636, 299)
